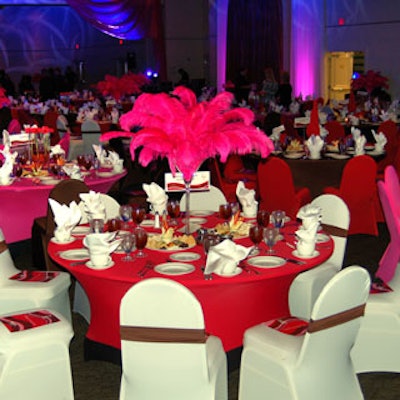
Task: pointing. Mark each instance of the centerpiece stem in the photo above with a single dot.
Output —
(187, 206)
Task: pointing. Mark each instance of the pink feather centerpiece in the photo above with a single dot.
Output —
(188, 132)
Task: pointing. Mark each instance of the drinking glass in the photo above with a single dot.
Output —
(270, 235)
(256, 234)
(278, 218)
(225, 211)
(138, 214)
(87, 162)
(128, 245)
(174, 210)
(18, 170)
(125, 212)
(263, 218)
(141, 240)
(97, 225)
(235, 207)
(209, 241)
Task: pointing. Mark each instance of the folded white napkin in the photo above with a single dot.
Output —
(355, 132)
(156, 196)
(101, 153)
(294, 107)
(380, 141)
(315, 144)
(8, 165)
(224, 257)
(116, 162)
(309, 214)
(93, 205)
(66, 217)
(101, 243)
(57, 150)
(73, 171)
(306, 239)
(359, 145)
(276, 133)
(247, 200)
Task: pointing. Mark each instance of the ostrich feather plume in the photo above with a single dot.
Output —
(186, 132)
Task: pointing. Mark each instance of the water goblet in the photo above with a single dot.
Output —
(80, 159)
(87, 162)
(209, 240)
(97, 225)
(141, 241)
(263, 218)
(128, 245)
(225, 211)
(256, 234)
(235, 207)
(138, 214)
(125, 212)
(174, 210)
(278, 218)
(270, 236)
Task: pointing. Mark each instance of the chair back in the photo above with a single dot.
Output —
(62, 125)
(210, 200)
(50, 120)
(163, 342)
(7, 267)
(335, 221)
(335, 131)
(14, 126)
(393, 186)
(335, 321)
(234, 164)
(91, 133)
(275, 186)
(390, 130)
(111, 205)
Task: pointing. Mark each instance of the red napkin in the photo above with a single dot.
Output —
(34, 276)
(378, 286)
(289, 325)
(313, 126)
(22, 322)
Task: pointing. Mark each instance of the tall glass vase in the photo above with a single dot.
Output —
(187, 206)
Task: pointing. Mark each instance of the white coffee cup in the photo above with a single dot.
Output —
(305, 248)
(62, 235)
(99, 259)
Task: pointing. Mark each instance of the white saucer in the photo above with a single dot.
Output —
(201, 213)
(314, 254)
(294, 156)
(174, 268)
(54, 240)
(321, 238)
(234, 273)
(184, 256)
(108, 265)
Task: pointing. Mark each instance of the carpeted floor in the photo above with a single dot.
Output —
(94, 380)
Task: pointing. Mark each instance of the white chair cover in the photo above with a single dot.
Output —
(35, 363)
(307, 286)
(210, 200)
(18, 295)
(168, 370)
(314, 366)
(91, 133)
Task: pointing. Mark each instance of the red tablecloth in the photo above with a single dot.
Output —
(230, 304)
(25, 200)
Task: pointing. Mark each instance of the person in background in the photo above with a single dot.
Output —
(284, 93)
(242, 85)
(71, 79)
(269, 86)
(184, 80)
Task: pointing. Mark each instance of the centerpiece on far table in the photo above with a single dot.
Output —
(188, 132)
(39, 146)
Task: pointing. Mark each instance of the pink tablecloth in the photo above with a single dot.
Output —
(24, 200)
(230, 304)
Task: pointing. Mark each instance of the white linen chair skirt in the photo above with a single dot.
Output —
(208, 200)
(35, 363)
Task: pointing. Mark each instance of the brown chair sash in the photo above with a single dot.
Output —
(336, 319)
(3, 246)
(163, 335)
(334, 230)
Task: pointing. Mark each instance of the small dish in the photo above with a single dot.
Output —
(185, 256)
(266, 261)
(236, 272)
(75, 254)
(81, 230)
(293, 156)
(104, 174)
(174, 268)
(314, 254)
(50, 181)
(337, 156)
(99, 267)
(321, 238)
(54, 240)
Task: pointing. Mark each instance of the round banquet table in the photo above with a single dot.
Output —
(26, 199)
(230, 304)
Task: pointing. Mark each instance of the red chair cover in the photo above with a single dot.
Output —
(227, 187)
(389, 128)
(64, 143)
(358, 190)
(335, 131)
(235, 171)
(276, 188)
(14, 126)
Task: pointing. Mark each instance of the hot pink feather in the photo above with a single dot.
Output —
(187, 132)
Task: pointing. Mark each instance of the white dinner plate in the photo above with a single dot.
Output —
(50, 181)
(108, 265)
(54, 240)
(75, 254)
(321, 238)
(185, 256)
(81, 230)
(369, 147)
(174, 268)
(196, 221)
(236, 272)
(293, 156)
(266, 261)
(337, 156)
(314, 254)
(147, 222)
(375, 153)
(201, 213)
(105, 174)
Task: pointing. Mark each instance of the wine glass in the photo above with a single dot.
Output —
(128, 245)
(270, 235)
(278, 218)
(125, 212)
(225, 211)
(256, 234)
(80, 159)
(235, 207)
(141, 240)
(138, 214)
(18, 170)
(87, 162)
(263, 218)
(174, 210)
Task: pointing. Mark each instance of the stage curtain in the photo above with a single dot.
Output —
(254, 38)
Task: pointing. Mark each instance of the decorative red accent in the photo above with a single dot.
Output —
(341, 21)
(380, 287)
(22, 322)
(288, 325)
(34, 276)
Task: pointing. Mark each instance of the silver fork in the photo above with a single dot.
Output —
(149, 265)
